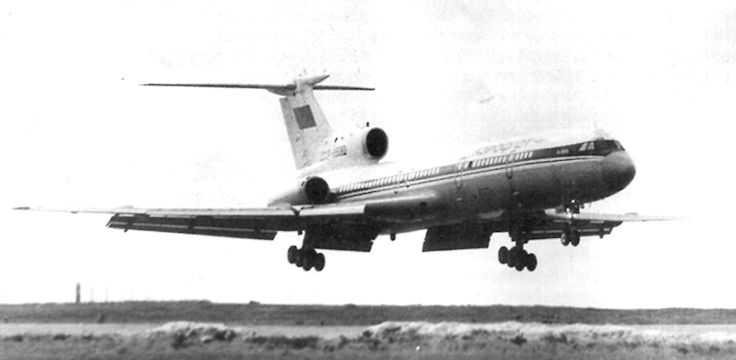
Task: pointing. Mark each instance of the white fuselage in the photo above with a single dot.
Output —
(533, 173)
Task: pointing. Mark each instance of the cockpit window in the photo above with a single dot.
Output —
(608, 145)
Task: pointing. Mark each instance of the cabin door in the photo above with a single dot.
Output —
(510, 165)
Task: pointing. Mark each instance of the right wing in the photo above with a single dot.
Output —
(588, 224)
(548, 224)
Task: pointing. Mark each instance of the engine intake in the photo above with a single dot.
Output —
(376, 143)
(316, 189)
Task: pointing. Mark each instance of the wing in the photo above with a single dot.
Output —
(250, 223)
(265, 223)
(587, 224)
(543, 225)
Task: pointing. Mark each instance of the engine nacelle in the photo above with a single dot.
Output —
(370, 144)
(316, 190)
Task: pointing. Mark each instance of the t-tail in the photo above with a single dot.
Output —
(306, 125)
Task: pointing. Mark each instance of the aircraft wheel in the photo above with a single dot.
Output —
(308, 262)
(519, 266)
(531, 262)
(299, 260)
(319, 263)
(291, 254)
(575, 239)
(564, 239)
(521, 259)
(512, 259)
(503, 255)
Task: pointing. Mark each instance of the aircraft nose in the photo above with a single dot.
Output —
(618, 170)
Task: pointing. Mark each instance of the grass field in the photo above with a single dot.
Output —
(254, 313)
(57, 331)
(389, 340)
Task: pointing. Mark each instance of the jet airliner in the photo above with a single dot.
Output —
(344, 196)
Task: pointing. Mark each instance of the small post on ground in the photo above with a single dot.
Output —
(78, 298)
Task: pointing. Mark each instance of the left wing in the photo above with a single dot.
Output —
(265, 223)
(250, 223)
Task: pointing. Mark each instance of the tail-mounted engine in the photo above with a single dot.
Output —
(316, 190)
(368, 146)
(374, 143)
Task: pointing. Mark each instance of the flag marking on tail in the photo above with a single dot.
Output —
(304, 117)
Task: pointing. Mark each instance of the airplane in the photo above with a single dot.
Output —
(345, 196)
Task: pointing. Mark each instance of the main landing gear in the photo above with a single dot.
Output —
(517, 257)
(306, 258)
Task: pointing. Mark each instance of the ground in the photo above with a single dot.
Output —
(204, 330)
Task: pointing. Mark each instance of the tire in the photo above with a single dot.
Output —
(531, 262)
(512, 259)
(310, 259)
(319, 264)
(291, 254)
(503, 255)
(299, 261)
(575, 239)
(564, 239)
(519, 265)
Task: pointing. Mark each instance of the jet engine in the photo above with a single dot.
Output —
(370, 144)
(316, 189)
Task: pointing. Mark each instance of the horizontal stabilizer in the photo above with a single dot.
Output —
(287, 87)
(296, 85)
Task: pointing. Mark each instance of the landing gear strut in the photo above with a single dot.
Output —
(306, 258)
(517, 257)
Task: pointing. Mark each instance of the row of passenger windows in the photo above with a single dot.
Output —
(499, 160)
(432, 172)
(391, 180)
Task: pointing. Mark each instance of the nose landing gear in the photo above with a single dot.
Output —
(306, 258)
(570, 236)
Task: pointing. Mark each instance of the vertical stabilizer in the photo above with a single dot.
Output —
(306, 124)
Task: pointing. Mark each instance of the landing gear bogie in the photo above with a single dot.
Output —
(517, 258)
(306, 259)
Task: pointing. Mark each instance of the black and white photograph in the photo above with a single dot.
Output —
(371, 179)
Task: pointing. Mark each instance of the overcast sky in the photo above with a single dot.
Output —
(77, 131)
